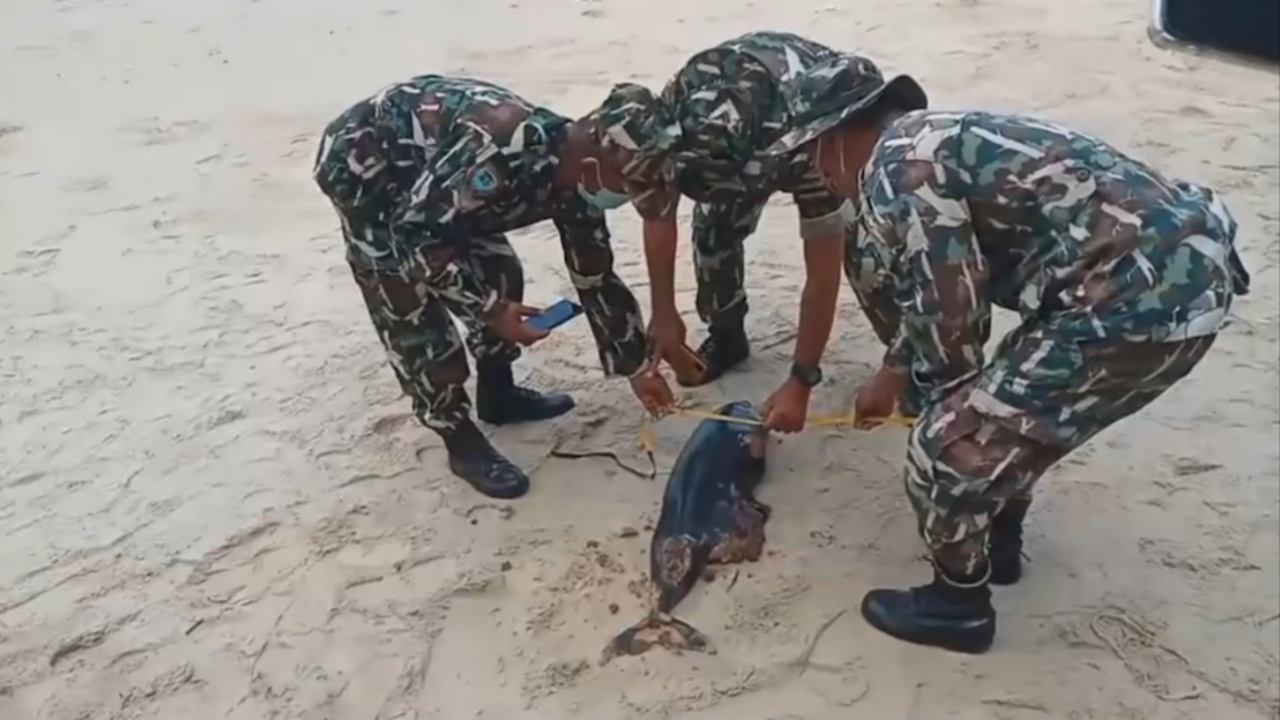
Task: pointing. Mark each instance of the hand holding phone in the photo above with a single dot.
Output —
(555, 315)
(508, 321)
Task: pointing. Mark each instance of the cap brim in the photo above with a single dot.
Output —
(906, 94)
(797, 138)
(903, 91)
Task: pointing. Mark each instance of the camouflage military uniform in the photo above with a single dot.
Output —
(427, 176)
(705, 137)
(1122, 278)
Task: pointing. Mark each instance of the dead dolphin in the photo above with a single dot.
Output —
(709, 516)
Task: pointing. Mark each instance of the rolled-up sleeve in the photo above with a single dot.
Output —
(822, 213)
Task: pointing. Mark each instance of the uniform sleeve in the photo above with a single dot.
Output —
(610, 307)
(822, 213)
(465, 174)
(917, 209)
(364, 230)
(351, 170)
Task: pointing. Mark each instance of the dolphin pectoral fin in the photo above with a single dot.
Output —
(764, 510)
(661, 630)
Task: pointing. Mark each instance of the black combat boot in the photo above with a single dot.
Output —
(946, 613)
(1006, 542)
(499, 401)
(724, 348)
(473, 459)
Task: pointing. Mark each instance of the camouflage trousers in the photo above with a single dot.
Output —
(719, 233)
(1041, 396)
(421, 340)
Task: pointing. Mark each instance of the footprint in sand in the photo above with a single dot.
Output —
(87, 184)
(1155, 667)
(153, 131)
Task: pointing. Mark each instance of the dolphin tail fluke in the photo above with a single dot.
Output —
(661, 630)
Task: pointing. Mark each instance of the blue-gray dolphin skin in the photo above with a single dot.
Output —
(710, 516)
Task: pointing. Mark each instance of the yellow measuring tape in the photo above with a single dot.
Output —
(648, 444)
(828, 420)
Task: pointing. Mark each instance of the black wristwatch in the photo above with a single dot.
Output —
(808, 375)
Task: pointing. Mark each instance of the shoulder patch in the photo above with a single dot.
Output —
(484, 181)
(480, 185)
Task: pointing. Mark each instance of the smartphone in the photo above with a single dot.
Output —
(555, 315)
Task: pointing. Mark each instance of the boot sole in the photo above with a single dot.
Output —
(505, 495)
(515, 491)
(499, 420)
(968, 644)
(710, 376)
(974, 647)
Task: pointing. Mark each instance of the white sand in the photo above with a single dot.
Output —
(215, 505)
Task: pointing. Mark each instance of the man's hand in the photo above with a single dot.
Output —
(652, 390)
(877, 398)
(786, 409)
(666, 333)
(507, 321)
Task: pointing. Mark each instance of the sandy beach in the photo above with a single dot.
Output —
(215, 503)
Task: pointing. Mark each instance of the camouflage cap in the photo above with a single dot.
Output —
(634, 126)
(838, 89)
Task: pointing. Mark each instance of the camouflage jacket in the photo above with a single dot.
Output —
(732, 102)
(967, 210)
(424, 165)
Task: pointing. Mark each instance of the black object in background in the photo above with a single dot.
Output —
(1248, 27)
